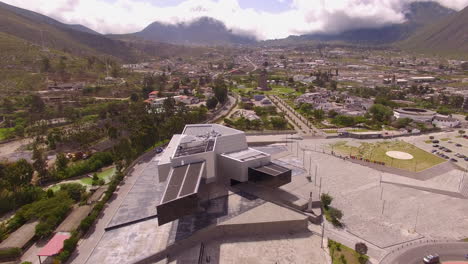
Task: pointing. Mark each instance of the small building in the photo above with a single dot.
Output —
(445, 121)
(424, 79)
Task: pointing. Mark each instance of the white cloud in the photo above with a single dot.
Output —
(304, 16)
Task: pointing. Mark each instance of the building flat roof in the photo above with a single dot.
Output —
(206, 129)
(246, 154)
(272, 169)
(183, 181)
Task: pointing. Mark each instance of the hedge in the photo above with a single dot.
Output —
(10, 254)
(94, 163)
(87, 222)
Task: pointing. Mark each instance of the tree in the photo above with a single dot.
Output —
(74, 190)
(361, 248)
(220, 90)
(148, 86)
(380, 113)
(335, 215)
(326, 200)
(8, 106)
(211, 103)
(278, 123)
(19, 174)
(45, 64)
(61, 162)
(39, 162)
(37, 105)
(134, 97)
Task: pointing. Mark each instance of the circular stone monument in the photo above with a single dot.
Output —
(399, 155)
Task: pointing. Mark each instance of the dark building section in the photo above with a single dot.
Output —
(180, 197)
(271, 175)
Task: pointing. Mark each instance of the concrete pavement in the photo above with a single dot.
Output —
(89, 242)
(415, 252)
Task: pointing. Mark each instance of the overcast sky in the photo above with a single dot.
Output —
(266, 19)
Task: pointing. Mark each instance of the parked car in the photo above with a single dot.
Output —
(450, 141)
(434, 150)
(465, 158)
(453, 160)
(458, 145)
(431, 259)
(435, 146)
(435, 141)
(159, 150)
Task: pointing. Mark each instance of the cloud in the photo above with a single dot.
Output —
(303, 16)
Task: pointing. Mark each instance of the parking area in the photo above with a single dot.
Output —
(449, 145)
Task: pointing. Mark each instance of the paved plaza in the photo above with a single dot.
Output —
(386, 214)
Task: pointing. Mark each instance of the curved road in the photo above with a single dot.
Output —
(448, 251)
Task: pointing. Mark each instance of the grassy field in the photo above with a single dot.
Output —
(342, 254)
(104, 175)
(377, 152)
(5, 132)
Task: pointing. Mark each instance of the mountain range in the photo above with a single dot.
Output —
(202, 31)
(417, 15)
(76, 39)
(428, 26)
(450, 35)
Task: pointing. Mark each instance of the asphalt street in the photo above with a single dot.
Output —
(449, 251)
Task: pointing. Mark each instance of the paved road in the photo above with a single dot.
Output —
(253, 64)
(307, 129)
(448, 251)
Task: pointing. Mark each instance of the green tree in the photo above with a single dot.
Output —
(74, 190)
(45, 64)
(220, 90)
(211, 103)
(39, 162)
(36, 104)
(326, 200)
(381, 113)
(61, 162)
(134, 97)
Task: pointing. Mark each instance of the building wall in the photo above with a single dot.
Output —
(439, 123)
(230, 143)
(419, 118)
(238, 170)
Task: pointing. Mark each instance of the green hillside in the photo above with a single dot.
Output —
(39, 30)
(447, 37)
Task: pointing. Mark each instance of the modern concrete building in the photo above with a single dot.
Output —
(207, 153)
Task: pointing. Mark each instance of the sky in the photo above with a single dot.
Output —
(264, 19)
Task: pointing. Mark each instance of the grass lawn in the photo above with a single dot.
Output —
(104, 175)
(428, 141)
(444, 139)
(339, 252)
(377, 151)
(5, 132)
